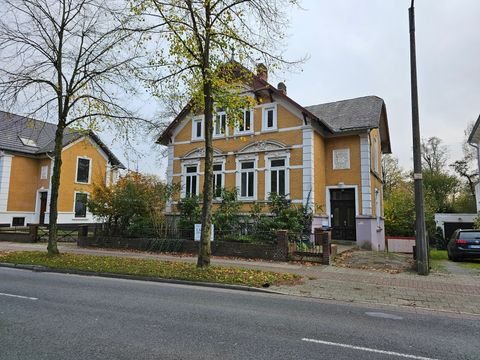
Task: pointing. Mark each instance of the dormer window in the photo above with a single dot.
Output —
(28, 142)
(245, 126)
(269, 117)
(220, 124)
(197, 129)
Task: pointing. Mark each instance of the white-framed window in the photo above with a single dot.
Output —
(278, 176)
(220, 124)
(375, 155)
(218, 180)
(269, 117)
(80, 204)
(245, 126)
(341, 159)
(83, 170)
(247, 179)
(44, 172)
(190, 180)
(197, 128)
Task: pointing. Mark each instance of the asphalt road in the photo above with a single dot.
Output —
(57, 316)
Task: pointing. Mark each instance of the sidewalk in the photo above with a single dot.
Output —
(457, 293)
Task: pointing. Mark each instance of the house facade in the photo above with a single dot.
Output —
(26, 165)
(325, 156)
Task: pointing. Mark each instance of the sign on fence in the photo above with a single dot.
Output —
(198, 232)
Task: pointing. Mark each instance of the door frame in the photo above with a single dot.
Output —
(38, 206)
(328, 200)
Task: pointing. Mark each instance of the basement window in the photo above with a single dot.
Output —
(18, 221)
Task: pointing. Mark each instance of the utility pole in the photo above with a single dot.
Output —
(420, 240)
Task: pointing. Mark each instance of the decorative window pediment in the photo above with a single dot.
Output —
(263, 146)
(200, 153)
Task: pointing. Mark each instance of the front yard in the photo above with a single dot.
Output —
(440, 263)
(150, 268)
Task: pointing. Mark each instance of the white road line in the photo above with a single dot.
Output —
(19, 296)
(407, 356)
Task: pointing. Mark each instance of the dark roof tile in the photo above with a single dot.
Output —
(15, 127)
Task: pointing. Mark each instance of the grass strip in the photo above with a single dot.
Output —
(150, 268)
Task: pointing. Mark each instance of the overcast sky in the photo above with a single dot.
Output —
(361, 47)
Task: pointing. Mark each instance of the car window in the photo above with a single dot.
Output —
(469, 235)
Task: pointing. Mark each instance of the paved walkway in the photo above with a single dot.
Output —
(457, 293)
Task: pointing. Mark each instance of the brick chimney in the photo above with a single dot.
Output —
(262, 71)
(282, 87)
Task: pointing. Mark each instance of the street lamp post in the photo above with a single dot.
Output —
(420, 240)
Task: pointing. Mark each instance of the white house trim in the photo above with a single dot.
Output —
(92, 142)
(89, 170)
(280, 155)
(265, 108)
(365, 174)
(308, 167)
(186, 164)
(168, 205)
(222, 172)
(245, 158)
(88, 214)
(38, 203)
(327, 199)
(5, 170)
(237, 132)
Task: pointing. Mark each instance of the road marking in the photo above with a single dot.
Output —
(407, 356)
(19, 296)
(384, 315)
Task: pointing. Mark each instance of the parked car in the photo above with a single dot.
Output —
(464, 244)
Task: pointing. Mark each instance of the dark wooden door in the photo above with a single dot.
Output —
(342, 205)
(43, 207)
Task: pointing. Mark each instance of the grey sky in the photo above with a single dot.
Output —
(361, 47)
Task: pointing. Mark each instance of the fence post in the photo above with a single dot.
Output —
(82, 235)
(33, 231)
(323, 237)
(282, 245)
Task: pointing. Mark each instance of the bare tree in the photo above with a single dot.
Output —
(199, 38)
(63, 59)
(393, 174)
(434, 155)
(466, 167)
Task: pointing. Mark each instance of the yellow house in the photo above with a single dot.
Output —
(326, 156)
(26, 165)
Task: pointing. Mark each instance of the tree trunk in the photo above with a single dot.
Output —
(57, 167)
(205, 249)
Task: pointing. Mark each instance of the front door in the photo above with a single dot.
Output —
(342, 205)
(43, 207)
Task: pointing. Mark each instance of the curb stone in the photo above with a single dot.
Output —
(41, 268)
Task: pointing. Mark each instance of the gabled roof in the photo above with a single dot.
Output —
(351, 115)
(35, 137)
(359, 113)
(474, 137)
(258, 85)
(362, 113)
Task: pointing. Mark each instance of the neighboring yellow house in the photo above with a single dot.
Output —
(325, 156)
(26, 165)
